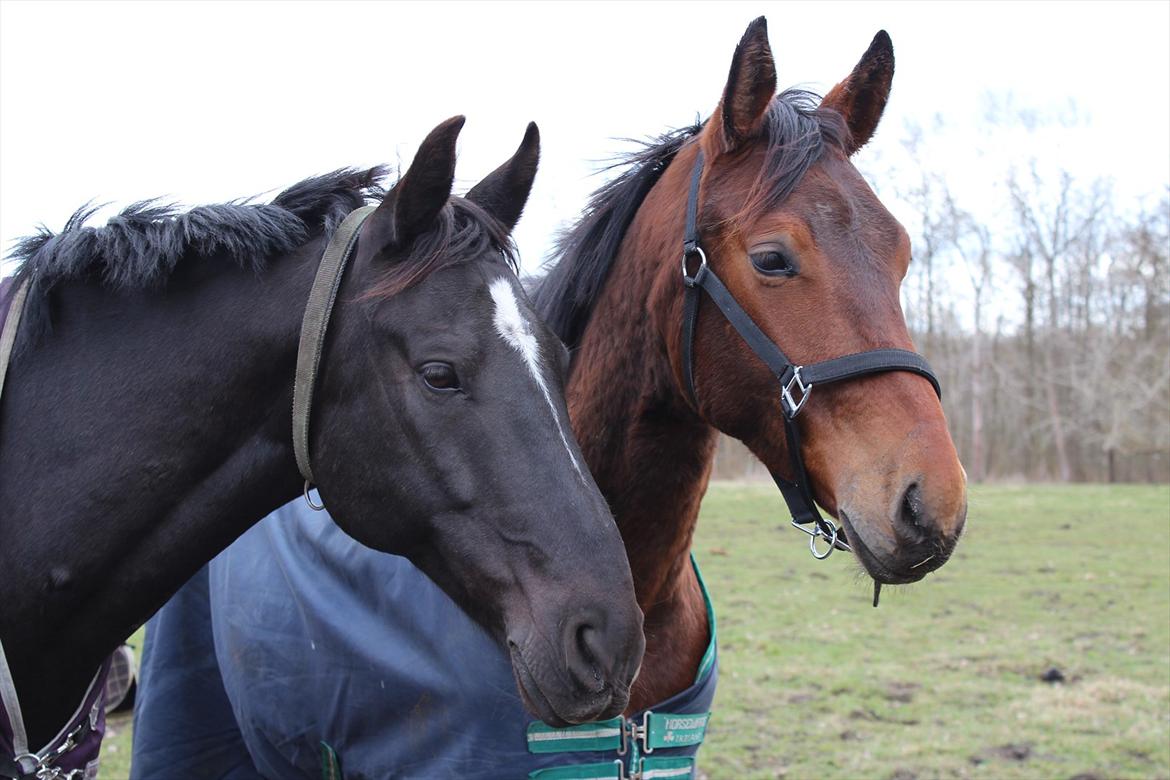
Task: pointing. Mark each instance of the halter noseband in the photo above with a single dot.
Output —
(796, 381)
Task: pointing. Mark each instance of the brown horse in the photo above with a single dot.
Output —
(816, 261)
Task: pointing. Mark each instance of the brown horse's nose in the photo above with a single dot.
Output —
(930, 524)
(592, 653)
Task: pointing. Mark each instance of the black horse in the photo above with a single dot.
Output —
(145, 424)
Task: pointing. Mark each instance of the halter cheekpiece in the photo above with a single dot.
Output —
(796, 381)
(322, 296)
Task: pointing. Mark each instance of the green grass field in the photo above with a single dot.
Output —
(944, 679)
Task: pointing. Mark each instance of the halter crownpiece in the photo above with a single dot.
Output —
(796, 381)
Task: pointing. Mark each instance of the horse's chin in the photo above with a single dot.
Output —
(874, 566)
(561, 709)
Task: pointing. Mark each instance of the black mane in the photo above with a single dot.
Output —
(138, 248)
(796, 132)
(585, 252)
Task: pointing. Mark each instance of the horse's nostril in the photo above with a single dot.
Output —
(586, 655)
(912, 509)
(585, 635)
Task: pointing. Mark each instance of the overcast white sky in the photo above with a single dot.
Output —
(209, 101)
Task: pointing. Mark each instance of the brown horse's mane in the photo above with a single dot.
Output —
(796, 131)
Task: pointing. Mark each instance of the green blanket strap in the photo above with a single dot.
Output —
(658, 767)
(602, 770)
(651, 768)
(330, 766)
(658, 730)
(708, 654)
(602, 735)
(663, 730)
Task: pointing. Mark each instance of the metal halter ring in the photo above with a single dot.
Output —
(817, 532)
(690, 279)
(23, 759)
(309, 501)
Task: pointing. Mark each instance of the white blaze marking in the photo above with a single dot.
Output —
(515, 330)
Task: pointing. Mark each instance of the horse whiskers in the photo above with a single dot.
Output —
(877, 586)
(927, 559)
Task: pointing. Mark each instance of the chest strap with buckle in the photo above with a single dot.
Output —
(632, 740)
(625, 737)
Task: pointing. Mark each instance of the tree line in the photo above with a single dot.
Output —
(1057, 363)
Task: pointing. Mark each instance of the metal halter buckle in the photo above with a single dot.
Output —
(691, 279)
(792, 406)
(818, 532)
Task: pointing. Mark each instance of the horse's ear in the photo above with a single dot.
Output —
(751, 85)
(861, 97)
(410, 208)
(504, 191)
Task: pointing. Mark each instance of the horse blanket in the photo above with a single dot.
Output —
(300, 653)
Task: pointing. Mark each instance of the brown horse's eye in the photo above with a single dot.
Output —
(440, 377)
(774, 263)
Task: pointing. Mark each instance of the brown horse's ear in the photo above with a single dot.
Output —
(751, 85)
(410, 208)
(861, 97)
(504, 191)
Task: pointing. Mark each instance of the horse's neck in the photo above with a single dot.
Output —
(651, 458)
(137, 440)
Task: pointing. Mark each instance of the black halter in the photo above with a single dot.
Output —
(796, 381)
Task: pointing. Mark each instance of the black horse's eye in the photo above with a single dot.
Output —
(774, 262)
(440, 377)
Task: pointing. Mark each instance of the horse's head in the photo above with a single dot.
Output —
(440, 433)
(816, 260)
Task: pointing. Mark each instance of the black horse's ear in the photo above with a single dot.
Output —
(504, 191)
(410, 208)
(751, 85)
(861, 97)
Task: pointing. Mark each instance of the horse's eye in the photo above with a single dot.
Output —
(774, 263)
(440, 377)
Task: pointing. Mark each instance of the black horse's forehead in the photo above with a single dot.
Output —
(454, 297)
(520, 328)
(477, 308)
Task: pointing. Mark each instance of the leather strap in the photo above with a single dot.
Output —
(874, 361)
(11, 326)
(12, 715)
(690, 290)
(691, 231)
(691, 296)
(321, 299)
